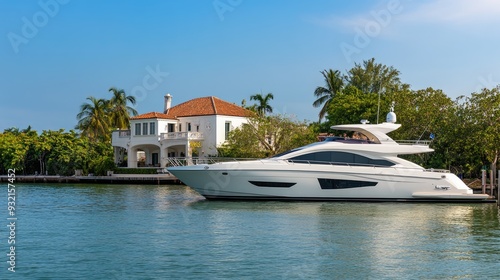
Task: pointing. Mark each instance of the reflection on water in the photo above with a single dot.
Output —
(377, 239)
(159, 232)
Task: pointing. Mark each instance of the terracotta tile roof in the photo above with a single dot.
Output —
(151, 115)
(204, 106)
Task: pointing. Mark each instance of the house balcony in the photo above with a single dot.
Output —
(120, 138)
(123, 133)
(182, 136)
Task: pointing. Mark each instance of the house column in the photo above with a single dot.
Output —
(116, 153)
(163, 155)
(189, 161)
(131, 157)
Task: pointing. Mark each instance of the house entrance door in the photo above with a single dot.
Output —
(154, 159)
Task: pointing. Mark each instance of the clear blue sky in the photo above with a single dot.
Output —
(55, 53)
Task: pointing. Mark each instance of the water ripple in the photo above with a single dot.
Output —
(170, 232)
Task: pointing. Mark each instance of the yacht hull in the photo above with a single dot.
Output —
(304, 182)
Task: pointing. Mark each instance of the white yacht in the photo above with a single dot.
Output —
(339, 168)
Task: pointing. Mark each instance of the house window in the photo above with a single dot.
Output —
(144, 128)
(137, 129)
(227, 128)
(152, 129)
(197, 128)
(171, 127)
(188, 126)
(180, 127)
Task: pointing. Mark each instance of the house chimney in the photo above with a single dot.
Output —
(168, 102)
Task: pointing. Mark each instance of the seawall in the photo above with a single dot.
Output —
(145, 179)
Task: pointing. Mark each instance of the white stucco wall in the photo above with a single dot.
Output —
(163, 125)
(212, 128)
(221, 124)
(207, 126)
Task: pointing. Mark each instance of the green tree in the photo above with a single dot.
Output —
(423, 113)
(252, 107)
(263, 106)
(334, 84)
(120, 112)
(420, 112)
(70, 151)
(375, 78)
(94, 120)
(372, 77)
(351, 106)
(456, 140)
(267, 136)
(42, 147)
(53, 152)
(59, 161)
(15, 146)
(483, 117)
(99, 158)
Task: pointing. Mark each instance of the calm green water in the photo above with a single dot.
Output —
(170, 232)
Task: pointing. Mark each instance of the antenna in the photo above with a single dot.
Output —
(378, 107)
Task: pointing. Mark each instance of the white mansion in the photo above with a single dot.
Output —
(195, 127)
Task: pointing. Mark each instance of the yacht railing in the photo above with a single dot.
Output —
(310, 162)
(414, 142)
(182, 161)
(437, 170)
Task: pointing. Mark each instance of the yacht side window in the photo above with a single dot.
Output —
(339, 158)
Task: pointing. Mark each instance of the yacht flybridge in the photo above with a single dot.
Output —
(362, 168)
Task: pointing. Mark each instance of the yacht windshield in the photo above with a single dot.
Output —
(348, 140)
(287, 152)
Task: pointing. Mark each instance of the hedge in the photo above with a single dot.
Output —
(136, 171)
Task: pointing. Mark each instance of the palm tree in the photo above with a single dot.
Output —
(93, 119)
(334, 84)
(120, 112)
(372, 77)
(263, 105)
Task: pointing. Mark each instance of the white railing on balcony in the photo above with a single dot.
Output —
(123, 133)
(181, 135)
